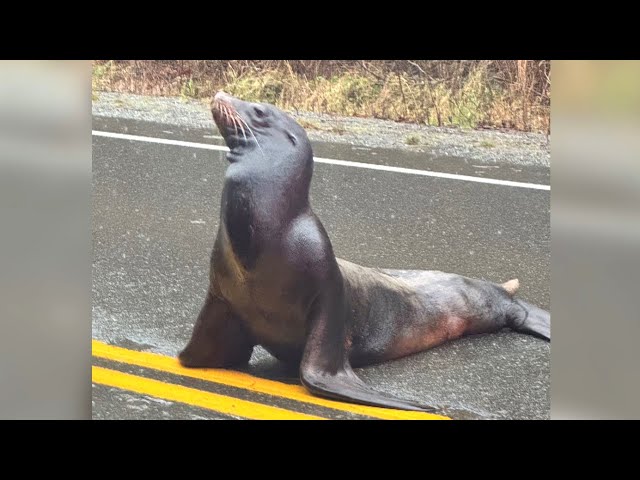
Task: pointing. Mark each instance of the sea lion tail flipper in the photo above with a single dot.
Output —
(527, 318)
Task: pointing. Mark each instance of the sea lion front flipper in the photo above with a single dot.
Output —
(345, 385)
(325, 368)
(218, 339)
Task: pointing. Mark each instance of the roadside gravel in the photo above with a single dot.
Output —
(484, 146)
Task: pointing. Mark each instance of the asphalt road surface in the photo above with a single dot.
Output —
(155, 216)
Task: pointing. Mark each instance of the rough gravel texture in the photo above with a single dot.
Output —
(484, 146)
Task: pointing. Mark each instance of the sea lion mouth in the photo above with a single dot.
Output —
(227, 118)
(234, 129)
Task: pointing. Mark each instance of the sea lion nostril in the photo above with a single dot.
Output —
(221, 99)
(220, 95)
(223, 111)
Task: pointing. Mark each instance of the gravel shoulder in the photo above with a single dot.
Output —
(491, 147)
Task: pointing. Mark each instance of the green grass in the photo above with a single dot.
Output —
(465, 98)
(487, 144)
(189, 89)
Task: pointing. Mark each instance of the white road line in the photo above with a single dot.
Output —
(331, 161)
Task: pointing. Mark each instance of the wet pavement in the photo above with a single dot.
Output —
(354, 153)
(155, 215)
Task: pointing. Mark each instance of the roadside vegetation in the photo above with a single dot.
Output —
(513, 94)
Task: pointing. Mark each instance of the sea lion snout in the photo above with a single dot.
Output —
(226, 116)
(221, 96)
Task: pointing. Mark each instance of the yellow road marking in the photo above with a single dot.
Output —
(248, 382)
(191, 396)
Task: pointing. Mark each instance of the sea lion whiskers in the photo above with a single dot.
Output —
(235, 123)
(242, 128)
(229, 116)
(224, 112)
(251, 132)
(219, 107)
(221, 113)
(238, 121)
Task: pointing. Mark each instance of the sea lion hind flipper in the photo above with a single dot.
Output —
(526, 318)
(218, 340)
(325, 370)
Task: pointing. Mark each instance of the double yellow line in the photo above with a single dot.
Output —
(222, 403)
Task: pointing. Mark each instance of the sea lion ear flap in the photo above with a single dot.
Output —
(292, 138)
(511, 286)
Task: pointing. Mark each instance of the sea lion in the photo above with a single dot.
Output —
(275, 281)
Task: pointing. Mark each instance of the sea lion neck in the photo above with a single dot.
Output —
(275, 193)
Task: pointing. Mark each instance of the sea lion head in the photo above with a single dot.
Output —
(259, 132)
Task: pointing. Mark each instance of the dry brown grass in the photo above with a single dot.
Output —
(512, 94)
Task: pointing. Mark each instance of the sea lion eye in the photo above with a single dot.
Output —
(259, 112)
